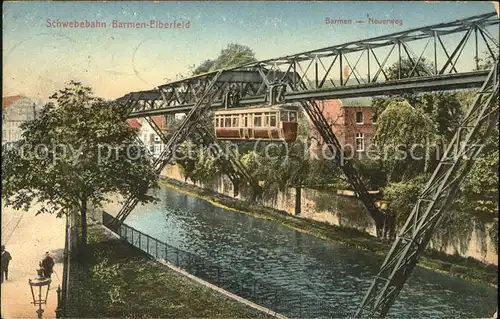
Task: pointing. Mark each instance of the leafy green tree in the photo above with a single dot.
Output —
(204, 67)
(76, 152)
(186, 160)
(401, 197)
(399, 128)
(444, 108)
(233, 55)
(409, 70)
(324, 174)
(487, 61)
(373, 176)
(479, 190)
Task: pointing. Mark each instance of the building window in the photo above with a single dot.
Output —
(359, 117)
(157, 138)
(360, 142)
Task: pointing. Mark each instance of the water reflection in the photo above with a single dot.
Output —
(300, 263)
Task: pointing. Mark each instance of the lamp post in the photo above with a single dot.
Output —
(41, 282)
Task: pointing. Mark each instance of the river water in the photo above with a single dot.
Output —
(299, 263)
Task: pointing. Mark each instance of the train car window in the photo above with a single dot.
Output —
(227, 122)
(266, 120)
(293, 116)
(235, 121)
(257, 121)
(246, 120)
(217, 122)
(273, 120)
(284, 116)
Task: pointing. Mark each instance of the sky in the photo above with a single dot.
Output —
(39, 59)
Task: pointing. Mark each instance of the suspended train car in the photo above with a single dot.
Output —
(274, 123)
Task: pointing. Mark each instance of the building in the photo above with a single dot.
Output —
(147, 134)
(351, 122)
(16, 110)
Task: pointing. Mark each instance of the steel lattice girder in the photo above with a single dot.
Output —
(146, 105)
(435, 199)
(187, 125)
(307, 72)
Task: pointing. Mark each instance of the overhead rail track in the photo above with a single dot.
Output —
(322, 70)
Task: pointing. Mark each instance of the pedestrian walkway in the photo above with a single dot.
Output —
(27, 237)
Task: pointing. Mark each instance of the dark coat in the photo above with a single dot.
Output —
(48, 264)
(6, 258)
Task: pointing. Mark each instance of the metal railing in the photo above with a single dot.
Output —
(63, 291)
(246, 285)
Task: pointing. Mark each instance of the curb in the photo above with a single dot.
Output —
(207, 284)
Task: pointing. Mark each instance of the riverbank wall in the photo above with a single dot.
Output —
(468, 239)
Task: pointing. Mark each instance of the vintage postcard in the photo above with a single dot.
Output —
(250, 159)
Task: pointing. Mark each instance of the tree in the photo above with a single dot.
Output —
(488, 59)
(204, 67)
(479, 190)
(233, 55)
(401, 197)
(409, 70)
(445, 108)
(76, 152)
(399, 128)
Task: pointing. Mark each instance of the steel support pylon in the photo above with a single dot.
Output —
(187, 125)
(321, 124)
(434, 200)
(232, 168)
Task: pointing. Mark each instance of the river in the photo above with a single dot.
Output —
(301, 264)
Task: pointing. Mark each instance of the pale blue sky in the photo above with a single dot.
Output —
(38, 60)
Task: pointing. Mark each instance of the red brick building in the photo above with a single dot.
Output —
(352, 124)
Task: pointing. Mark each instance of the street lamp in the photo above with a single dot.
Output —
(41, 282)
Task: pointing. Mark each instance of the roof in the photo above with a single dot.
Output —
(133, 123)
(160, 121)
(358, 102)
(256, 108)
(8, 100)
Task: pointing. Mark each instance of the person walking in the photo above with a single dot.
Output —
(48, 265)
(6, 258)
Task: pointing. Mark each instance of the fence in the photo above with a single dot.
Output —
(69, 247)
(245, 285)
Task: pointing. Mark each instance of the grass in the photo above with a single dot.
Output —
(116, 280)
(467, 269)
